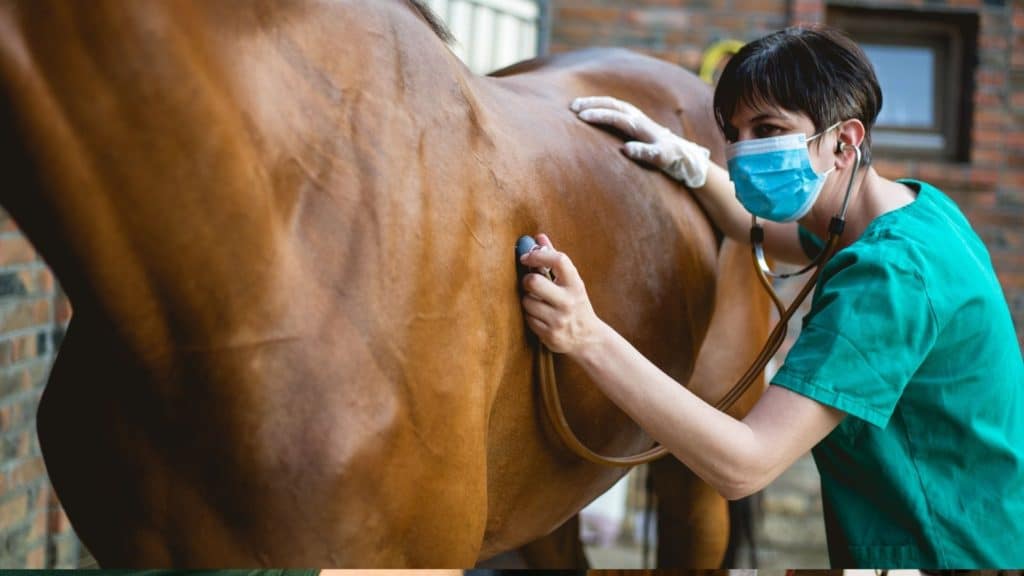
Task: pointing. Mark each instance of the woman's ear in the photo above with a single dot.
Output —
(851, 134)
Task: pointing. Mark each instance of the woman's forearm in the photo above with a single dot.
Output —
(720, 449)
(718, 198)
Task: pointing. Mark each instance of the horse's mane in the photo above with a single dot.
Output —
(435, 23)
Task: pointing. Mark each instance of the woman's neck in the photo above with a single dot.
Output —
(871, 196)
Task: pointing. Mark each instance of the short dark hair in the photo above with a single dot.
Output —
(815, 70)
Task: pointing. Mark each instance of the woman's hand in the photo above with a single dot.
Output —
(558, 312)
(652, 143)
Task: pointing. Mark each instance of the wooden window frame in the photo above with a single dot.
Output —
(952, 37)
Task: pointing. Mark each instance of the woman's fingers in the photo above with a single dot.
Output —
(565, 271)
(543, 240)
(539, 327)
(621, 121)
(540, 310)
(558, 312)
(537, 286)
(586, 103)
(644, 152)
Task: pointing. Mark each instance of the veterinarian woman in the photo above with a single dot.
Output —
(906, 380)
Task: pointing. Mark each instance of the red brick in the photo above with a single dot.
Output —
(8, 417)
(62, 311)
(943, 175)
(42, 312)
(991, 78)
(59, 522)
(24, 348)
(39, 523)
(1013, 180)
(991, 118)
(986, 178)
(892, 168)
(13, 511)
(980, 199)
(992, 42)
(1010, 282)
(666, 19)
(762, 6)
(27, 442)
(17, 316)
(589, 14)
(44, 280)
(988, 156)
(999, 219)
(992, 136)
(15, 249)
(36, 557)
(28, 472)
(1008, 261)
(728, 21)
(987, 99)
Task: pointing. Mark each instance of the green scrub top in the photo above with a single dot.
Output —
(910, 335)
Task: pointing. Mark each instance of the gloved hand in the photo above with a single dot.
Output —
(653, 144)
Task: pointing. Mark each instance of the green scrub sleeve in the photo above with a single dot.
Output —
(870, 327)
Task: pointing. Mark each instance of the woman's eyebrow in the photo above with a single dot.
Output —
(766, 116)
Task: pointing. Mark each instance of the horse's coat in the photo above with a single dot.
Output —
(286, 229)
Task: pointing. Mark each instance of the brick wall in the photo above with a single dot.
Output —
(34, 532)
(989, 187)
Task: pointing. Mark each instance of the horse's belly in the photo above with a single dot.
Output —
(315, 462)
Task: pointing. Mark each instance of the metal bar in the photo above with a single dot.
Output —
(526, 14)
(495, 40)
(544, 27)
(471, 41)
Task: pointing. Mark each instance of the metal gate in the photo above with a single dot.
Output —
(492, 34)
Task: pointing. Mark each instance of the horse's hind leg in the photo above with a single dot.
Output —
(693, 519)
(559, 550)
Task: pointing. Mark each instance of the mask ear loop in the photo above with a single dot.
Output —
(778, 334)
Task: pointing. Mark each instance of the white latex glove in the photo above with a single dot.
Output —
(652, 143)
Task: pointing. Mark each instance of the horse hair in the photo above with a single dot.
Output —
(435, 22)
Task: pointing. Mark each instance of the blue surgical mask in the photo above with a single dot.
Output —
(774, 178)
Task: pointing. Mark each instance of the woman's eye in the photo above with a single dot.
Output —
(766, 130)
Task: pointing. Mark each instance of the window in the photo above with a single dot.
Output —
(925, 64)
(492, 34)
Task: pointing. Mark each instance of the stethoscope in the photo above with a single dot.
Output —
(765, 273)
(545, 361)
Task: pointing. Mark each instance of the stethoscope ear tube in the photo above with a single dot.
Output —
(764, 272)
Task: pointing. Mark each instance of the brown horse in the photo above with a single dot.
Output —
(286, 229)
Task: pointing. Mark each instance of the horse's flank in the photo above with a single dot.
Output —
(286, 229)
